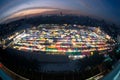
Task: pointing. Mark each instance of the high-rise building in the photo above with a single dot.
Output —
(118, 38)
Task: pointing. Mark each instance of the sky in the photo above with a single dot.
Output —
(105, 9)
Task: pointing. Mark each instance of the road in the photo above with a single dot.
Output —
(114, 74)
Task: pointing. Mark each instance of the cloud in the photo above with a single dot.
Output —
(105, 9)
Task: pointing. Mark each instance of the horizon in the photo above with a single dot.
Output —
(107, 10)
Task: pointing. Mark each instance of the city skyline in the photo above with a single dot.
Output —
(108, 10)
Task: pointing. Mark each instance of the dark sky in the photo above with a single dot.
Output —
(106, 9)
